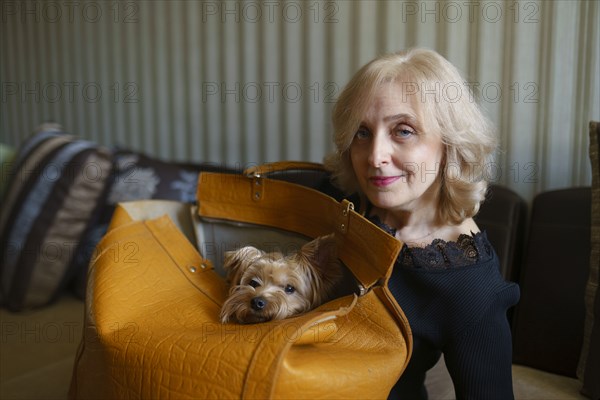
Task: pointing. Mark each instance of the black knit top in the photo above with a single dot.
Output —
(455, 300)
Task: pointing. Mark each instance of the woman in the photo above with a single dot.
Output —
(411, 141)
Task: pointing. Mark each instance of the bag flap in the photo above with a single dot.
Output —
(368, 251)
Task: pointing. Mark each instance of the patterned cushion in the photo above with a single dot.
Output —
(139, 177)
(56, 185)
(589, 362)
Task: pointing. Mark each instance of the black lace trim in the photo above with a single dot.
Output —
(440, 254)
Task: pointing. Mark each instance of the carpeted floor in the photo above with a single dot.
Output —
(528, 384)
(37, 350)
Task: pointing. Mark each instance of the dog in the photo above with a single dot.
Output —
(271, 286)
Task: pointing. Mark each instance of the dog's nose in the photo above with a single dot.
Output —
(258, 303)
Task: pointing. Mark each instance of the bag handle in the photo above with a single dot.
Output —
(365, 249)
(278, 166)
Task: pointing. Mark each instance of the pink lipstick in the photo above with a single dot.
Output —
(382, 181)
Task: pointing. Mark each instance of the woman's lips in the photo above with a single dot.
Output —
(382, 181)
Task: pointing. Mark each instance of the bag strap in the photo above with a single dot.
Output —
(268, 168)
(365, 249)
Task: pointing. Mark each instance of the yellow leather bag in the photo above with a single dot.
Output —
(155, 289)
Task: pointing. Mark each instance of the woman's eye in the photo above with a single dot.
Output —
(254, 283)
(289, 289)
(403, 132)
(361, 134)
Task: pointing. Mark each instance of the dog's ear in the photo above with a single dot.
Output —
(237, 261)
(322, 254)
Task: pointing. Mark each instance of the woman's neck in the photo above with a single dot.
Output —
(413, 226)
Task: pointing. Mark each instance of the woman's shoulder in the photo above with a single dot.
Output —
(466, 250)
(452, 233)
(454, 246)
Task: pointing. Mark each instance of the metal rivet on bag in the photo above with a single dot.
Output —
(257, 195)
(343, 226)
(193, 269)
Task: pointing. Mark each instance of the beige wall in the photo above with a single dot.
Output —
(242, 83)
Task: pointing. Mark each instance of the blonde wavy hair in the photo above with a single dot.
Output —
(448, 105)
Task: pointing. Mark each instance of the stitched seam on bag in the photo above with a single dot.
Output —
(149, 226)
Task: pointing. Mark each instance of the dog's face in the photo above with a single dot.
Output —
(269, 286)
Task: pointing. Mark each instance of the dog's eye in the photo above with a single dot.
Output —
(254, 283)
(289, 289)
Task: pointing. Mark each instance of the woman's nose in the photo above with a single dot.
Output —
(380, 153)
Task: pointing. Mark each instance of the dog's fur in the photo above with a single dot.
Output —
(271, 286)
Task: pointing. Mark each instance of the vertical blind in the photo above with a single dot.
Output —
(239, 83)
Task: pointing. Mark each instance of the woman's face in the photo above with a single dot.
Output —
(396, 155)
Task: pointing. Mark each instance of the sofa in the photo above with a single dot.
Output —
(61, 192)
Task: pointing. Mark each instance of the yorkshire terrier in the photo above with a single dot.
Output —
(271, 286)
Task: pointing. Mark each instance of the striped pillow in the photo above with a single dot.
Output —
(57, 185)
